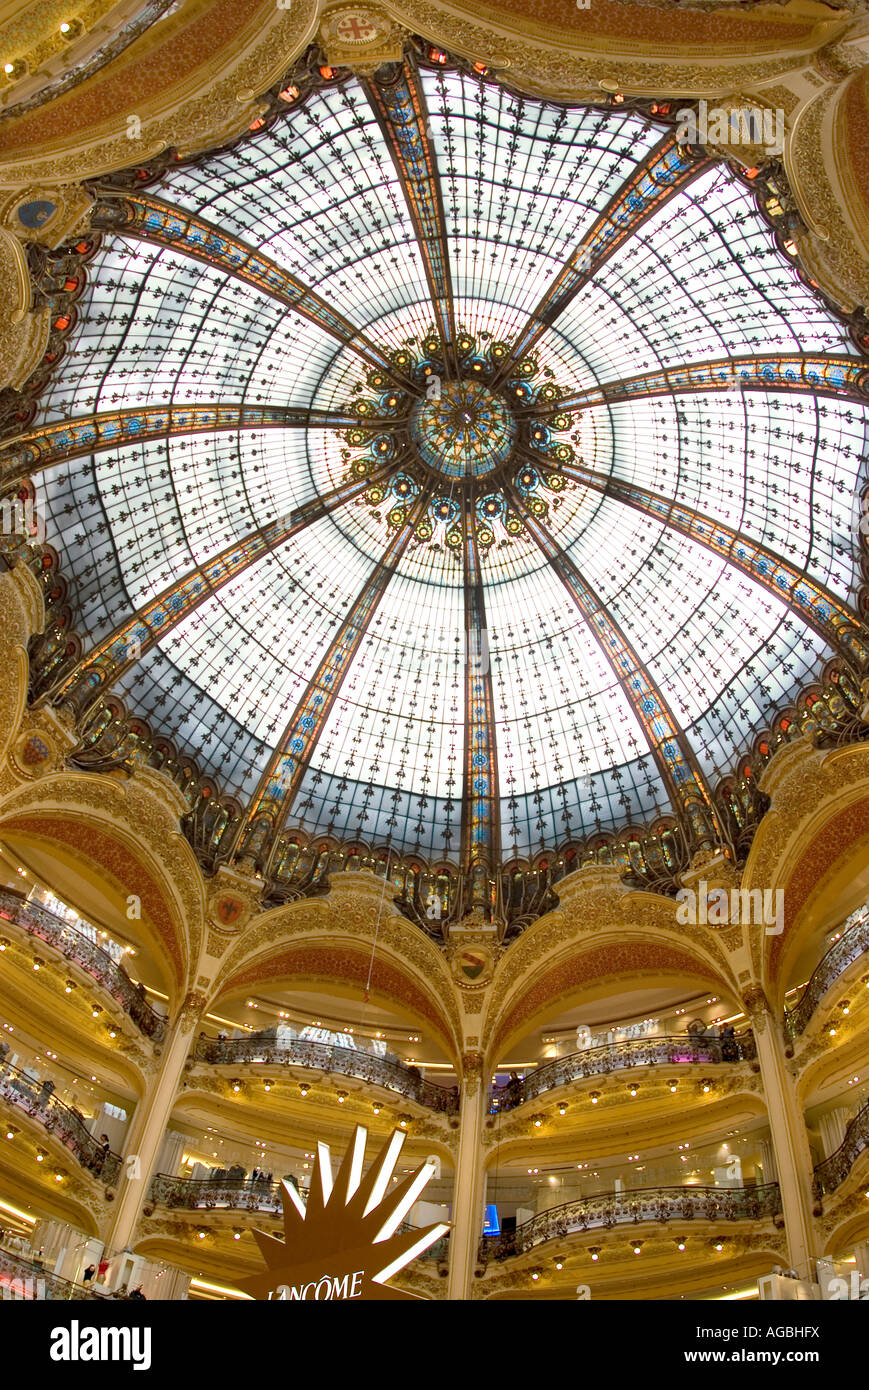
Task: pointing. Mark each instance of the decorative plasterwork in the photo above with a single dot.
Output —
(45, 213)
(216, 65)
(356, 914)
(25, 331)
(625, 959)
(594, 902)
(360, 36)
(123, 825)
(819, 814)
(835, 249)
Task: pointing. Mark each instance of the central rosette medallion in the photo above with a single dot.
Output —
(465, 432)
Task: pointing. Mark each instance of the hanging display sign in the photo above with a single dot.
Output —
(344, 1243)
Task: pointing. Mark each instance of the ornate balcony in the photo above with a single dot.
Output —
(617, 1056)
(851, 944)
(26, 1279)
(834, 1170)
(214, 1194)
(75, 946)
(67, 1125)
(237, 1194)
(606, 1210)
(392, 1075)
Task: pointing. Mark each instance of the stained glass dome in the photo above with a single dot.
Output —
(452, 469)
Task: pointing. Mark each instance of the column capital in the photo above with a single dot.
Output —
(757, 1006)
(191, 1010)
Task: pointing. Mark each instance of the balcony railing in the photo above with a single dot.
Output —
(617, 1056)
(36, 1100)
(343, 1061)
(75, 946)
(851, 944)
(214, 1194)
(26, 1279)
(607, 1210)
(833, 1171)
(238, 1194)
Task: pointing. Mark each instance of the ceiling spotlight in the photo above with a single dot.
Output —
(402, 1122)
(633, 1088)
(538, 1121)
(69, 987)
(562, 1108)
(594, 1097)
(342, 1096)
(674, 1086)
(267, 1086)
(236, 1233)
(637, 1246)
(558, 1262)
(4, 942)
(377, 1107)
(41, 1155)
(37, 962)
(59, 1175)
(201, 1234)
(95, 1010)
(534, 1275)
(304, 1087)
(11, 1131)
(706, 1087)
(680, 1244)
(236, 1086)
(594, 1251)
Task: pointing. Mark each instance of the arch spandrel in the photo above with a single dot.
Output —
(353, 921)
(130, 836)
(810, 845)
(598, 912)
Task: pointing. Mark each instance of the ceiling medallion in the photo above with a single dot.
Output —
(473, 443)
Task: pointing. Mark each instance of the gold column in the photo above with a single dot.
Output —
(468, 1190)
(789, 1138)
(149, 1125)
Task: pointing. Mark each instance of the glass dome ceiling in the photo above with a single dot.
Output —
(451, 469)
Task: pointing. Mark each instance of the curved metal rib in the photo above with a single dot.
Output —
(271, 803)
(480, 802)
(686, 786)
(816, 373)
(664, 172)
(152, 219)
(400, 105)
(101, 667)
(833, 621)
(41, 448)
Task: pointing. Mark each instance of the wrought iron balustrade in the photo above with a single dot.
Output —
(833, 1171)
(26, 1279)
(853, 942)
(37, 1101)
(618, 1056)
(73, 945)
(606, 1210)
(343, 1061)
(241, 1194)
(215, 1194)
